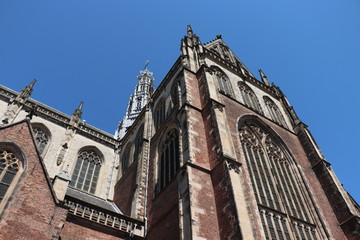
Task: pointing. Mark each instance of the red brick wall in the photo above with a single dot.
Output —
(80, 229)
(164, 215)
(125, 188)
(31, 212)
(235, 110)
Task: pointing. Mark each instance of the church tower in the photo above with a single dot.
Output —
(138, 100)
(221, 154)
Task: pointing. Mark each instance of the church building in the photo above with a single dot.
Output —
(213, 153)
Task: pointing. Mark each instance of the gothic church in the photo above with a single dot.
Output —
(212, 153)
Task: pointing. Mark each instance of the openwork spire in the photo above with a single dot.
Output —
(138, 100)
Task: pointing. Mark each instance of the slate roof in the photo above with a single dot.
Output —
(92, 200)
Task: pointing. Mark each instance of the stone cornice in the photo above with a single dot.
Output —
(60, 118)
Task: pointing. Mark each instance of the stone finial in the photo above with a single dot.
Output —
(26, 92)
(264, 78)
(189, 31)
(75, 118)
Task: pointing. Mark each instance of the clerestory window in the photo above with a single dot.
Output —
(10, 166)
(169, 159)
(249, 97)
(160, 113)
(86, 171)
(42, 137)
(223, 81)
(282, 204)
(125, 159)
(274, 111)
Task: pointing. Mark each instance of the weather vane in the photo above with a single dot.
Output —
(146, 64)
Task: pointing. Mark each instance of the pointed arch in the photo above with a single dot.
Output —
(125, 158)
(139, 142)
(274, 111)
(279, 191)
(223, 81)
(169, 160)
(87, 169)
(160, 113)
(42, 137)
(249, 97)
(12, 165)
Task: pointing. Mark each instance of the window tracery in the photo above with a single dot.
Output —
(278, 192)
(86, 171)
(249, 97)
(223, 81)
(169, 162)
(9, 167)
(41, 138)
(274, 111)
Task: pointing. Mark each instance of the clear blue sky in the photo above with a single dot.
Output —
(92, 51)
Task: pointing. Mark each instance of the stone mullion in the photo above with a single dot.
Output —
(274, 192)
(78, 176)
(265, 180)
(265, 223)
(252, 176)
(284, 186)
(291, 183)
(259, 182)
(301, 201)
(286, 204)
(272, 218)
(296, 230)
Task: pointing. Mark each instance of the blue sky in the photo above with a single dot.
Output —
(91, 51)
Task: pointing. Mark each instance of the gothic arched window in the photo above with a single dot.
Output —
(249, 97)
(169, 158)
(279, 193)
(42, 136)
(159, 113)
(174, 99)
(274, 111)
(10, 166)
(223, 81)
(125, 159)
(86, 172)
(139, 142)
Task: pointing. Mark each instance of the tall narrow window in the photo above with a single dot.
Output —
(86, 172)
(159, 113)
(41, 137)
(283, 208)
(249, 97)
(9, 167)
(174, 98)
(138, 143)
(274, 111)
(125, 159)
(169, 159)
(223, 81)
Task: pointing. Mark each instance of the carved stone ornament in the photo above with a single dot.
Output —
(247, 137)
(233, 166)
(219, 106)
(274, 151)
